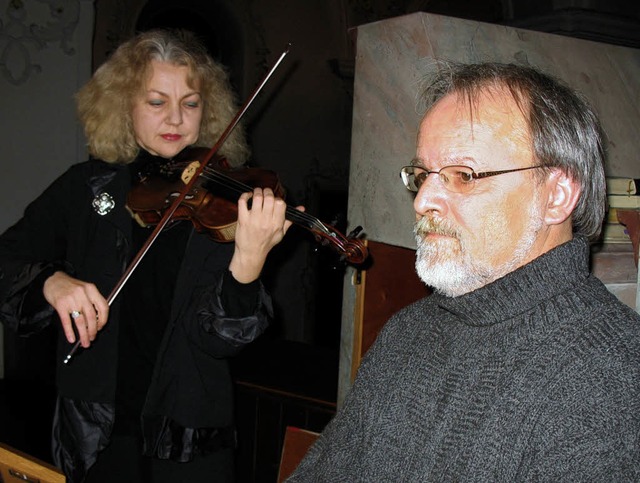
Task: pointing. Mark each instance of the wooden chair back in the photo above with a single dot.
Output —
(16, 467)
(296, 444)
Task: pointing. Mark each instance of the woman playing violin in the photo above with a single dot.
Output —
(148, 397)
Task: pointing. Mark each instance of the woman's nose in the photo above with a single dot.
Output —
(174, 116)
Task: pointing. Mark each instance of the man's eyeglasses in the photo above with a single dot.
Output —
(457, 179)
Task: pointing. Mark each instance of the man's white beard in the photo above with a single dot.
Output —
(447, 266)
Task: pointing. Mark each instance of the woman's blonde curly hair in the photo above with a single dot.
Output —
(105, 103)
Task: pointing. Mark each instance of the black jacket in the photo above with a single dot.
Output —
(190, 392)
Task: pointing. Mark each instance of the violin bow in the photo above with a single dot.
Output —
(185, 190)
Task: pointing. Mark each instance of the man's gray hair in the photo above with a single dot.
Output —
(565, 130)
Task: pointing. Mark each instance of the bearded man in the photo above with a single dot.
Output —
(521, 366)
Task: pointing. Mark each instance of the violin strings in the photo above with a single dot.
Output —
(239, 188)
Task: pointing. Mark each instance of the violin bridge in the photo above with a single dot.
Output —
(189, 171)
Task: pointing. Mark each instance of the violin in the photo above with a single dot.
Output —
(211, 203)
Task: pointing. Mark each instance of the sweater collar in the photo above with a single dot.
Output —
(556, 271)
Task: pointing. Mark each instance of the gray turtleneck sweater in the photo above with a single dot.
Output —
(534, 377)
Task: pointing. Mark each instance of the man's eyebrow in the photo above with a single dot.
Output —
(452, 161)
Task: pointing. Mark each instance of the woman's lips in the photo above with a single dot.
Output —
(171, 137)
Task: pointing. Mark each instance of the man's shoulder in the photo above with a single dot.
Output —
(603, 307)
(603, 345)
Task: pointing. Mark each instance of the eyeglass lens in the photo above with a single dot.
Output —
(455, 178)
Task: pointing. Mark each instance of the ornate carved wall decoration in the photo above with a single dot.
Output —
(27, 26)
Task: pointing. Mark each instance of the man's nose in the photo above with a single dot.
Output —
(432, 196)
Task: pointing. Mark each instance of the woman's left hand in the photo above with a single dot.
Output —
(260, 227)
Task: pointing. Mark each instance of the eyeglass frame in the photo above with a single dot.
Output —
(474, 175)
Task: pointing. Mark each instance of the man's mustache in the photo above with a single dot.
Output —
(425, 226)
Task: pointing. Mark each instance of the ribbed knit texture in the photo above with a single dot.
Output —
(535, 377)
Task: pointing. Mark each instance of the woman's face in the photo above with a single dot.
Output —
(166, 115)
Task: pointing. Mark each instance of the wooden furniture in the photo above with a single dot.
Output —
(387, 285)
(16, 466)
(296, 444)
(631, 219)
(279, 384)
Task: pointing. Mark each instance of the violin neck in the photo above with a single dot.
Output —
(307, 221)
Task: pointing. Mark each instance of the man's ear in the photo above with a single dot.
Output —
(563, 194)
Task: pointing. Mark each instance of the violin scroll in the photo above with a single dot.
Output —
(350, 248)
(357, 252)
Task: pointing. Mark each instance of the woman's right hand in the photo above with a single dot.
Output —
(69, 295)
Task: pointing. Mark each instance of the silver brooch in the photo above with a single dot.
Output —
(103, 203)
